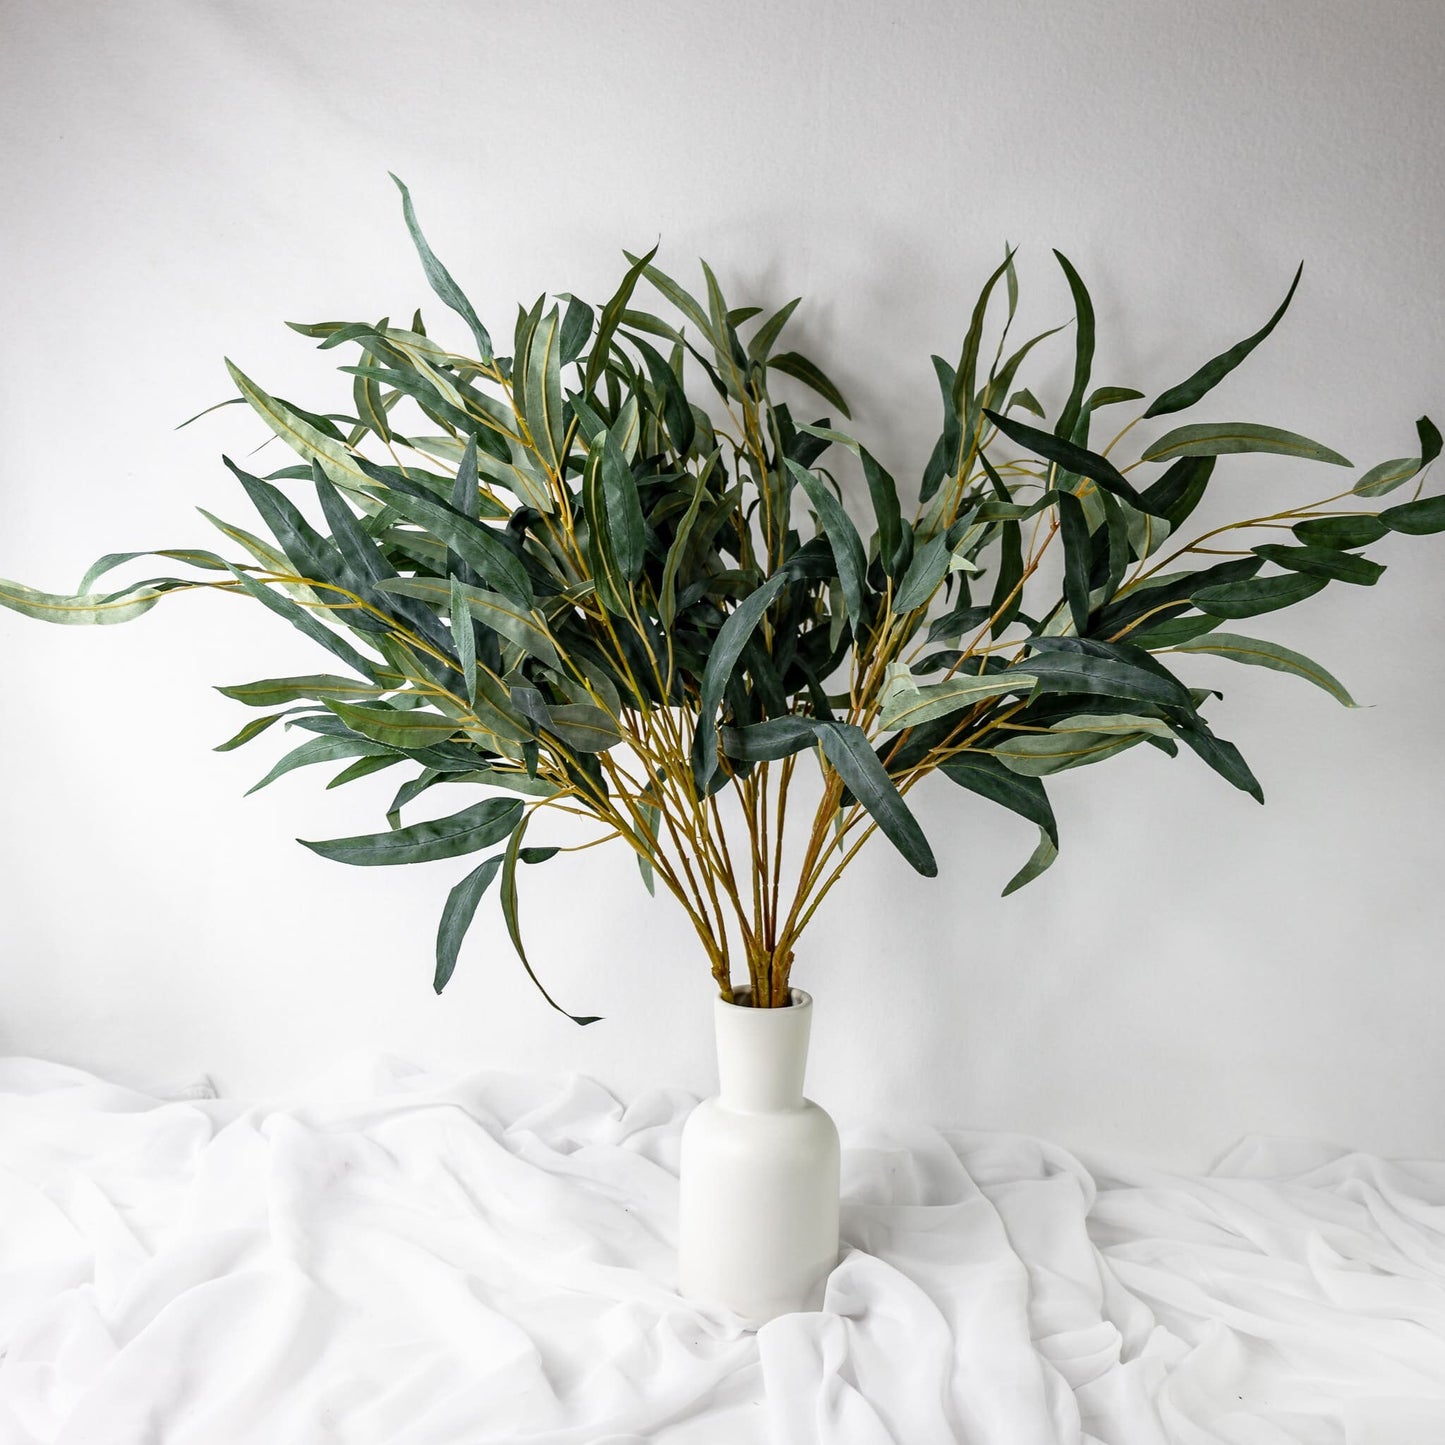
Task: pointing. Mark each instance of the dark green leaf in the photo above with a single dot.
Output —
(983, 774)
(1066, 454)
(1341, 533)
(1177, 398)
(790, 363)
(1416, 518)
(476, 827)
(1068, 422)
(461, 907)
(1256, 595)
(1216, 439)
(846, 748)
(848, 554)
(1322, 562)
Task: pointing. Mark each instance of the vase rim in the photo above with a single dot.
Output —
(797, 999)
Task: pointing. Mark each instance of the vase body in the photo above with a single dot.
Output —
(758, 1209)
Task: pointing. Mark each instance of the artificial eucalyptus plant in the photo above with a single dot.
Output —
(558, 579)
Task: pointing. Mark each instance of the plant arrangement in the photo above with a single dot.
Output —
(611, 575)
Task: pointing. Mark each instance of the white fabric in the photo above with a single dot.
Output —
(415, 1263)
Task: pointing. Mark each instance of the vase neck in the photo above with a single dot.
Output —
(762, 1054)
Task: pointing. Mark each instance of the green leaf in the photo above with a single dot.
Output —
(726, 648)
(1060, 748)
(318, 686)
(667, 598)
(615, 541)
(474, 542)
(1389, 475)
(1066, 454)
(925, 572)
(906, 704)
(299, 434)
(583, 727)
(1256, 595)
(476, 827)
(848, 554)
(524, 626)
(612, 314)
(770, 740)
(1082, 666)
(1110, 396)
(1217, 439)
(87, 609)
(576, 328)
(1083, 352)
(883, 491)
(464, 636)
(790, 363)
(514, 932)
(1322, 562)
(846, 748)
(1074, 529)
(319, 750)
(760, 347)
(396, 727)
(1268, 654)
(1177, 398)
(363, 768)
(252, 729)
(303, 621)
(1041, 858)
(1222, 756)
(983, 774)
(543, 366)
(1418, 519)
(1342, 533)
(457, 915)
(440, 280)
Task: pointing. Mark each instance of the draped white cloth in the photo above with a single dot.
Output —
(410, 1262)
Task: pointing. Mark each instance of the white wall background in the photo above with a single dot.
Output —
(181, 177)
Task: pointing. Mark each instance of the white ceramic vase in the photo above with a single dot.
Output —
(758, 1214)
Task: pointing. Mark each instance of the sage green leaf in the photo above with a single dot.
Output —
(846, 748)
(848, 554)
(906, 704)
(963, 394)
(1007, 595)
(1322, 562)
(316, 686)
(1055, 751)
(727, 646)
(985, 775)
(306, 440)
(1025, 398)
(924, 575)
(440, 280)
(543, 365)
(252, 729)
(1174, 630)
(395, 727)
(1068, 422)
(1110, 396)
(514, 931)
(464, 636)
(1177, 398)
(1418, 519)
(612, 314)
(474, 542)
(1389, 475)
(521, 625)
(476, 827)
(770, 740)
(583, 727)
(1256, 595)
(790, 363)
(1268, 654)
(1041, 858)
(457, 915)
(1067, 454)
(1217, 439)
(206, 560)
(86, 609)
(319, 750)
(651, 822)
(1341, 533)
